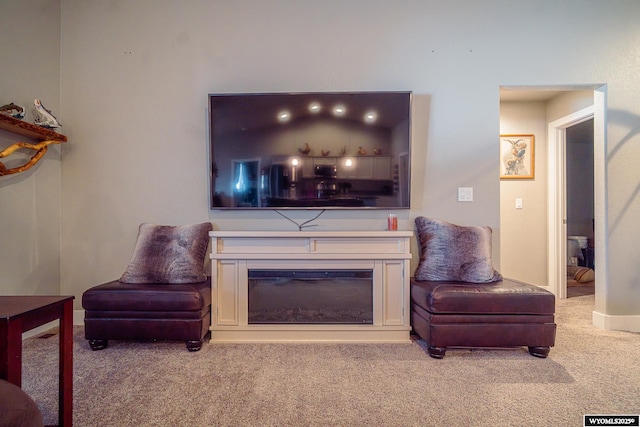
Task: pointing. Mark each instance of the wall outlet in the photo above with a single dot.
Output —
(465, 194)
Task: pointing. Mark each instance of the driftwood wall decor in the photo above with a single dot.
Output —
(39, 148)
(44, 135)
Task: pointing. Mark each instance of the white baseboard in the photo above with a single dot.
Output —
(39, 330)
(78, 320)
(78, 317)
(608, 322)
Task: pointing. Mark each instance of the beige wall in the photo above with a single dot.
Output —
(523, 237)
(30, 201)
(568, 103)
(134, 78)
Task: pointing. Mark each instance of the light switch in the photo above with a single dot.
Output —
(518, 203)
(465, 194)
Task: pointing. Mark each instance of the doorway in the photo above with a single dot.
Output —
(580, 279)
(557, 220)
(403, 184)
(526, 108)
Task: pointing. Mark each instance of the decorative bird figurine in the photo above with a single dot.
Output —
(13, 110)
(325, 153)
(377, 151)
(362, 151)
(43, 117)
(343, 151)
(306, 150)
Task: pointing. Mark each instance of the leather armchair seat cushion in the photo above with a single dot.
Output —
(502, 297)
(134, 297)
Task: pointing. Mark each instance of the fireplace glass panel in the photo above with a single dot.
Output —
(311, 296)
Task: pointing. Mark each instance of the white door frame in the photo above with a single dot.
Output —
(557, 229)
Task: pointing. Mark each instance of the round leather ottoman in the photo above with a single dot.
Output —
(17, 409)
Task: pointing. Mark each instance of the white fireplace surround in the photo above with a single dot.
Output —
(234, 253)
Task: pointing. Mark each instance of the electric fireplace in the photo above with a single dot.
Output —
(310, 296)
(310, 286)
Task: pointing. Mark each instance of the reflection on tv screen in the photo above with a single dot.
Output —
(310, 150)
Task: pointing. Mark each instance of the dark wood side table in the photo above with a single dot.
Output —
(19, 314)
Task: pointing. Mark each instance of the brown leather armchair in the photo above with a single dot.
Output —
(163, 294)
(505, 313)
(129, 311)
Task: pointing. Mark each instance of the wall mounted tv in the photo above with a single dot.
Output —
(347, 150)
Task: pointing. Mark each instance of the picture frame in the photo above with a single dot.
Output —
(517, 156)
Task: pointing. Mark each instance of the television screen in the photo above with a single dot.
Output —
(310, 150)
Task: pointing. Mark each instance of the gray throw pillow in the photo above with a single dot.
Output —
(454, 252)
(169, 254)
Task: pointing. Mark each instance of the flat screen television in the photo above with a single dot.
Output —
(345, 150)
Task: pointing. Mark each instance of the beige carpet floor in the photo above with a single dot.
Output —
(589, 371)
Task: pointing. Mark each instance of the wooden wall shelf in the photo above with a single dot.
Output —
(30, 130)
(44, 136)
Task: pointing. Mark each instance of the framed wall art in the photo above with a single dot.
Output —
(517, 160)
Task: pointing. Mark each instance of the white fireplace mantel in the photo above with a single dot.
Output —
(234, 253)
